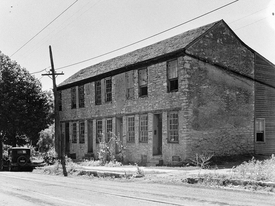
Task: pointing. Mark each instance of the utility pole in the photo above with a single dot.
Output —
(59, 139)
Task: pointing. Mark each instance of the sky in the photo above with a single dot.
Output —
(79, 30)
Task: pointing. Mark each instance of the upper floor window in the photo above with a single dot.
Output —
(60, 100)
(143, 125)
(99, 135)
(172, 75)
(129, 78)
(143, 82)
(98, 92)
(74, 134)
(260, 129)
(173, 127)
(82, 132)
(131, 129)
(73, 97)
(81, 96)
(108, 89)
(109, 127)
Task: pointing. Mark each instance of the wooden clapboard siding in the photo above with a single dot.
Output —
(265, 102)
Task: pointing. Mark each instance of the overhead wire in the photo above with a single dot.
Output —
(144, 39)
(44, 28)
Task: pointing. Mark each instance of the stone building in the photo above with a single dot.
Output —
(203, 91)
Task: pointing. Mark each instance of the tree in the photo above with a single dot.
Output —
(46, 139)
(25, 109)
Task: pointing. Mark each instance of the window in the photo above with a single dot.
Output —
(143, 125)
(131, 129)
(108, 89)
(81, 132)
(172, 74)
(173, 127)
(81, 96)
(98, 131)
(260, 129)
(108, 129)
(143, 82)
(74, 137)
(73, 97)
(60, 100)
(98, 92)
(129, 78)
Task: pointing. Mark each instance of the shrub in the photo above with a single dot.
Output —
(201, 160)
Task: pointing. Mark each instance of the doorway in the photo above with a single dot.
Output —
(67, 138)
(157, 134)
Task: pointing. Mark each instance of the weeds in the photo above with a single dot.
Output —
(201, 160)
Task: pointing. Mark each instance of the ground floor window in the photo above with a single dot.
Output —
(74, 133)
(260, 129)
(81, 132)
(173, 127)
(99, 135)
(131, 129)
(143, 125)
(108, 129)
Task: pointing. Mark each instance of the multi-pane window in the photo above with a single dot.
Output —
(173, 127)
(73, 97)
(129, 78)
(98, 92)
(260, 129)
(108, 89)
(98, 131)
(172, 75)
(81, 96)
(131, 129)
(108, 129)
(74, 134)
(60, 100)
(143, 125)
(143, 82)
(82, 132)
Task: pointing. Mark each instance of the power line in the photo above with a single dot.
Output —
(40, 71)
(44, 28)
(104, 54)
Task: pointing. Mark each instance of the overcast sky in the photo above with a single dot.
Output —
(93, 27)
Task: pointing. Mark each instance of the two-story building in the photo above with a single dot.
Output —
(203, 91)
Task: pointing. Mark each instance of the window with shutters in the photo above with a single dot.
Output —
(99, 135)
(73, 97)
(81, 132)
(81, 96)
(260, 129)
(98, 92)
(143, 82)
(131, 129)
(172, 75)
(143, 125)
(173, 127)
(74, 133)
(129, 78)
(108, 89)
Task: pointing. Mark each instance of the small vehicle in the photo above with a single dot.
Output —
(19, 158)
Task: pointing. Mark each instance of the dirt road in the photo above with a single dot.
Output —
(29, 189)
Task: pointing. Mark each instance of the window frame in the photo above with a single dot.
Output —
(108, 90)
(130, 91)
(170, 128)
(99, 131)
(60, 100)
(131, 129)
(81, 96)
(260, 131)
(109, 129)
(73, 97)
(98, 99)
(145, 86)
(81, 132)
(143, 134)
(74, 132)
(170, 80)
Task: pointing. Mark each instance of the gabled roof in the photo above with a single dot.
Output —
(161, 48)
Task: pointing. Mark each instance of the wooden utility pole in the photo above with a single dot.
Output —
(59, 140)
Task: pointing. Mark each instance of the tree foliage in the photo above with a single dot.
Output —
(25, 109)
